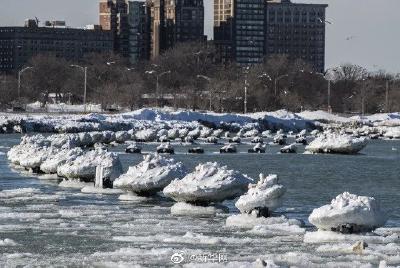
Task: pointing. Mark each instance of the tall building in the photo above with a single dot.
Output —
(139, 31)
(292, 29)
(223, 29)
(249, 31)
(296, 30)
(157, 27)
(114, 17)
(19, 44)
(174, 21)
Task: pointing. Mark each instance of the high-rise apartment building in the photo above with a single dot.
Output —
(174, 21)
(139, 31)
(223, 29)
(249, 31)
(296, 30)
(113, 17)
(292, 29)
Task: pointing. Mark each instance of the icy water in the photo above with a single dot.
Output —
(44, 225)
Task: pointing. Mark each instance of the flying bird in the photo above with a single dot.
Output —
(350, 37)
(324, 21)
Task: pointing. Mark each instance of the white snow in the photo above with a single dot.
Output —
(209, 182)
(351, 209)
(267, 193)
(131, 197)
(336, 143)
(153, 174)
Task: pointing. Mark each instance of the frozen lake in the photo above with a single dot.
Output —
(46, 225)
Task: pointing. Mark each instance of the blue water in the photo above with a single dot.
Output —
(56, 226)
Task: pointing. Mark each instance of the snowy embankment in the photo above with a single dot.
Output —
(150, 118)
(157, 119)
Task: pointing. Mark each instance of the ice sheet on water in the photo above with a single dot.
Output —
(182, 208)
(73, 183)
(90, 189)
(131, 197)
(20, 192)
(328, 236)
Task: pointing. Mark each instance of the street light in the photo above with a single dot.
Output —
(276, 82)
(19, 80)
(158, 76)
(208, 79)
(246, 72)
(84, 69)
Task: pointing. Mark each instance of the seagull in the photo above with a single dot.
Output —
(350, 37)
(324, 21)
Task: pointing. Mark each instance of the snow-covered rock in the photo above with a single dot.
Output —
(229, 148)
(84, 166)
(258, 148)
(393, 133)
(151, 175)
(209, 182)
(50, 165)
(267, 193)
(146, 135)
(289, 149)
(349, 213)
(336, 143)
(165, 148)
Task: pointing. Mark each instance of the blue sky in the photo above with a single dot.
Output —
(373, 23)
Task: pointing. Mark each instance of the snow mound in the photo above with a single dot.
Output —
(186, 209)
(84, 166)
(267, 193)
(362, 213)
(209, 182)
(49, 166)
(150, 176)
(336, 143)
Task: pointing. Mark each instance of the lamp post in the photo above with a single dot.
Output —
(19, 79)
(208, 79)
(158, 76)
(276, 80)
(84, 69)
(246, 72)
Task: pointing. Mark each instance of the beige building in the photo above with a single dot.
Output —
(223, 10)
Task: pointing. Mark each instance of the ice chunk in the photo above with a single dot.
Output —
(267, 193)
(337, 143)
(91, 189)
(151, 176)
(182, 208)
(209, 182)
(349, 211)
(263, 225)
